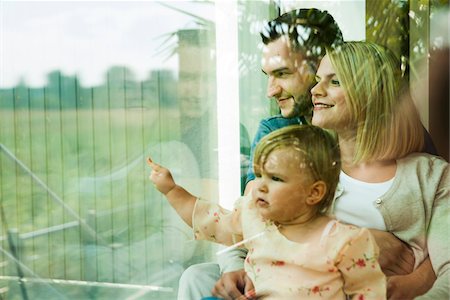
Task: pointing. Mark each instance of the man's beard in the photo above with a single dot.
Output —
(303, 106)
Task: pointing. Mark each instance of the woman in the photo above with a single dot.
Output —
(395, 189)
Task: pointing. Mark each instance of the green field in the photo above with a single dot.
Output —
(73, 185)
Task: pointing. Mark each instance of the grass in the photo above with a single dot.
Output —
(92, 170)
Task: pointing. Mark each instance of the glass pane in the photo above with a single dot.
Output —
(88, 90)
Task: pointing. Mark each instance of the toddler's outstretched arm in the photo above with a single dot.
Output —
(180, 199)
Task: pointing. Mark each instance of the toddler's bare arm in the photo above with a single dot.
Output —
(180, 199)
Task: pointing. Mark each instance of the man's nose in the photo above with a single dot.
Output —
(273, 88)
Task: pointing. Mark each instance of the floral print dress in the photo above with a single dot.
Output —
(341, 262)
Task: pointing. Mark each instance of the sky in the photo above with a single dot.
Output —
(86, 38)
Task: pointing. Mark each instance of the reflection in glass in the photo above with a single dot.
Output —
(80, 219)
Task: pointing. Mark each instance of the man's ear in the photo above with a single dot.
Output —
(317, 191)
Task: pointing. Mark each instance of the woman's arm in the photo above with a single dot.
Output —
(406, 287)
(397, 262)
(431, 279)
(396, 258)
(438, 238)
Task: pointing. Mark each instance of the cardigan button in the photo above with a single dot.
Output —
(378, 202)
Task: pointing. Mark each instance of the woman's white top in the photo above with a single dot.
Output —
(356, 203)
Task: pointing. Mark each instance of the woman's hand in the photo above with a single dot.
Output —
(405, 287)
(397, 262)
(399, 288)
(396, 258)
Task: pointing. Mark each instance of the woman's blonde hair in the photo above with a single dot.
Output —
(387, 122)
(318, 149)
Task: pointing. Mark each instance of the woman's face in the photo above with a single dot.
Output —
(328, 97)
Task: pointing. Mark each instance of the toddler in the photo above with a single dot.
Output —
(295, 251)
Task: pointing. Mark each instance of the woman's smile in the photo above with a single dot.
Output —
(321, 105)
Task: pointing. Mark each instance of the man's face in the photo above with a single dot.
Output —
(289, 77)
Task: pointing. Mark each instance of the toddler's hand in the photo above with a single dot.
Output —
(161, 177)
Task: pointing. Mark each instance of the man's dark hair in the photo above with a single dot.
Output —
(309, 30)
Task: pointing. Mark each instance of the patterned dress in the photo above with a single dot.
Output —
(341, 262)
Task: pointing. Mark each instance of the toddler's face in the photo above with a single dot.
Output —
(282, 186)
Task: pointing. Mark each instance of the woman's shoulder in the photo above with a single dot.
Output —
(423, 160)
(420, 168)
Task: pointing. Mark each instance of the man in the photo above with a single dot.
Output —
(294, 44)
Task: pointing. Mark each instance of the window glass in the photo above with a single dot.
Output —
(88, 90)
(253, 104)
